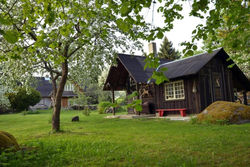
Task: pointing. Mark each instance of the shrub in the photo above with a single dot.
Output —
(103, 106)
(121, 109)
(86, 111)
(21, 100)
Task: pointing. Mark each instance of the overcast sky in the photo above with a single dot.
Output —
(182, 30)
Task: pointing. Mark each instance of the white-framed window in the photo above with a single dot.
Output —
(174, 90)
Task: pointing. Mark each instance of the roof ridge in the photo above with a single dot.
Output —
(140, 56)
(129, 55)
(215, 50)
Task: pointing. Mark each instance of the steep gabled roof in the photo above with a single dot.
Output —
(188, 66)
(178, 68)
(135, 67)
(43, 86)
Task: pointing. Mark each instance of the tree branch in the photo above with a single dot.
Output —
(75, 50)
(50, 69)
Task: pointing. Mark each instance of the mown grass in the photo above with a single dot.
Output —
(95, 141)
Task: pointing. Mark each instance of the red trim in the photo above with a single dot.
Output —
(182, 111)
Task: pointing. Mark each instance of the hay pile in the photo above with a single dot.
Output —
(8, 141)
(224, 112)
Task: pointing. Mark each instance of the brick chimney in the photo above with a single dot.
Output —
(152, 48)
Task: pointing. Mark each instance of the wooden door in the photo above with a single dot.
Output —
(205, 92)
(217, 86)
(65, 102)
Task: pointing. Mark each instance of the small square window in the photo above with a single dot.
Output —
(174, 90)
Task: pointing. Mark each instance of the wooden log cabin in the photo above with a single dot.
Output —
(195, 82)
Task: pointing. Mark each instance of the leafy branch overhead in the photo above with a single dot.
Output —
(153, 62)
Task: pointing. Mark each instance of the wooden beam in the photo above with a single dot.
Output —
(245, 97)
(113, 100)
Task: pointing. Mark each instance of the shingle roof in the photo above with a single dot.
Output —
(135, 66)
(44, 87)
(68, 94)
(188, 66)
(178, 68)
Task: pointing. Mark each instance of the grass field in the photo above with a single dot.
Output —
(95, 141)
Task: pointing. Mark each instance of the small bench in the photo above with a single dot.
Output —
(182, 111)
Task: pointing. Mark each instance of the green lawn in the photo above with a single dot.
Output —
(96, 141)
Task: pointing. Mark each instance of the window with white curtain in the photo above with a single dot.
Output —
(174, 90)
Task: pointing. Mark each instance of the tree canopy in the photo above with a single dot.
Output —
(64, 39)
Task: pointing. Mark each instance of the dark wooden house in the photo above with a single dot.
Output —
(195, 82)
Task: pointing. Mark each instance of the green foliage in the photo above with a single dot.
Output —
(193, 120)
(167, 51)
(92, 92)
(158, 74)
(66, 39)
(86, 111)
(4, 101)
(135, 103)
(239, 55)
(21, 99)
(222, 25)
(25, 112)
(121, 104)
(103, 106)
(80, 100)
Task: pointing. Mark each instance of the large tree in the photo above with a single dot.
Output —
(63, 38)
(167, 51)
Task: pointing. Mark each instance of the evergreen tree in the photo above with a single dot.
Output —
(167, 51)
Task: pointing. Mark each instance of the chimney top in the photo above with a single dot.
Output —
(152, 48)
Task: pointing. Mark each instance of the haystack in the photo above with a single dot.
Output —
(225, 112)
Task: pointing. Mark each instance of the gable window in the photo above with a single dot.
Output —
(69, 87)
(174, 90)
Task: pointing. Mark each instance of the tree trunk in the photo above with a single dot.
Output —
(57, 97)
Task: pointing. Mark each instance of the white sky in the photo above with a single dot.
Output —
(182, 30)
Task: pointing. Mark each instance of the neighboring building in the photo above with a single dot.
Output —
(44, 86)
(67, 94)
(195, 82)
